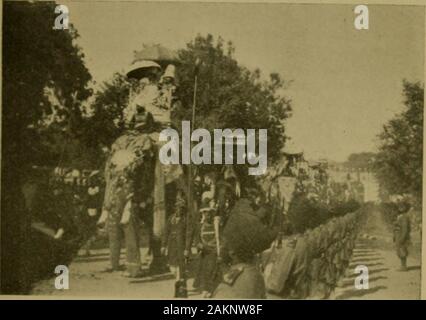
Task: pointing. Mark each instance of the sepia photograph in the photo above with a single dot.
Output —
(211, 150)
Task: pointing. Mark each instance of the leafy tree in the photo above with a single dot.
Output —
(107, 124)
(45, 81)
(228, 96)
(44, 84)
(399, 162)
(231, 96)
(362, 160)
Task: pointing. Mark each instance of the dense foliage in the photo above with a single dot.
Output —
(44, 85)
(399, 163)
(361, 161)
(305, 213)
(228, 96)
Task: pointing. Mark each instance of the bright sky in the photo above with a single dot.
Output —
(346, 83)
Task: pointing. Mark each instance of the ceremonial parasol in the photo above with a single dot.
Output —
(140, 69)
(158, 53)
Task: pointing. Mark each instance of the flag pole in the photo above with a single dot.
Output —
(194, 101)
(190, 191)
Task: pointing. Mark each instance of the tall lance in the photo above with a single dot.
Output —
(190, 182)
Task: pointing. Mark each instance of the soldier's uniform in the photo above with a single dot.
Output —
(332, 254)
(347, 248)
(174, 241)
(279, 266)
(225, 197)
(244, 236)
(352, 233)
(207, 272)
(241, 281)
(299, 275)
(341, 254)
(402, 231)
(313, 272)
(324, 277)
(174, 238)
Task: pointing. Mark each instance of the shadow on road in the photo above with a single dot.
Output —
(369, 265)
(368, 255)
(92, 259)
(351, 283)
(354, 293)
(160, 277)
(366, 260)
(370, 272)
(412, 268)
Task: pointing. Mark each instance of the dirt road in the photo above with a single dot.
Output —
(88, 280)
(374, 249)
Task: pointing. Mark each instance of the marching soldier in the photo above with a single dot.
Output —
(244, 236)
(174, 244)
(402, 234)
(332, 253)
(206, 278)
(278, 267)
(302, 256)
(227, 190)
(324, 277)
(313, 272)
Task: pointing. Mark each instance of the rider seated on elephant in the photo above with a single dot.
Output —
(244, 236)
(155, 92)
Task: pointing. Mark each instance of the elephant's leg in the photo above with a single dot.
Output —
(131, 234)
(114, 237)
(158, 264)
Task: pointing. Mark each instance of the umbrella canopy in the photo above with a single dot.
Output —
(157, 53)
(141, 69)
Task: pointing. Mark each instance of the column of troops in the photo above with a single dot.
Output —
(311, 265)
(234, 240)
(242, 250)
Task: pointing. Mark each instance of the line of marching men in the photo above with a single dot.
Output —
(229, 239)
(311, 265)
(231, 235)
(234, 254)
